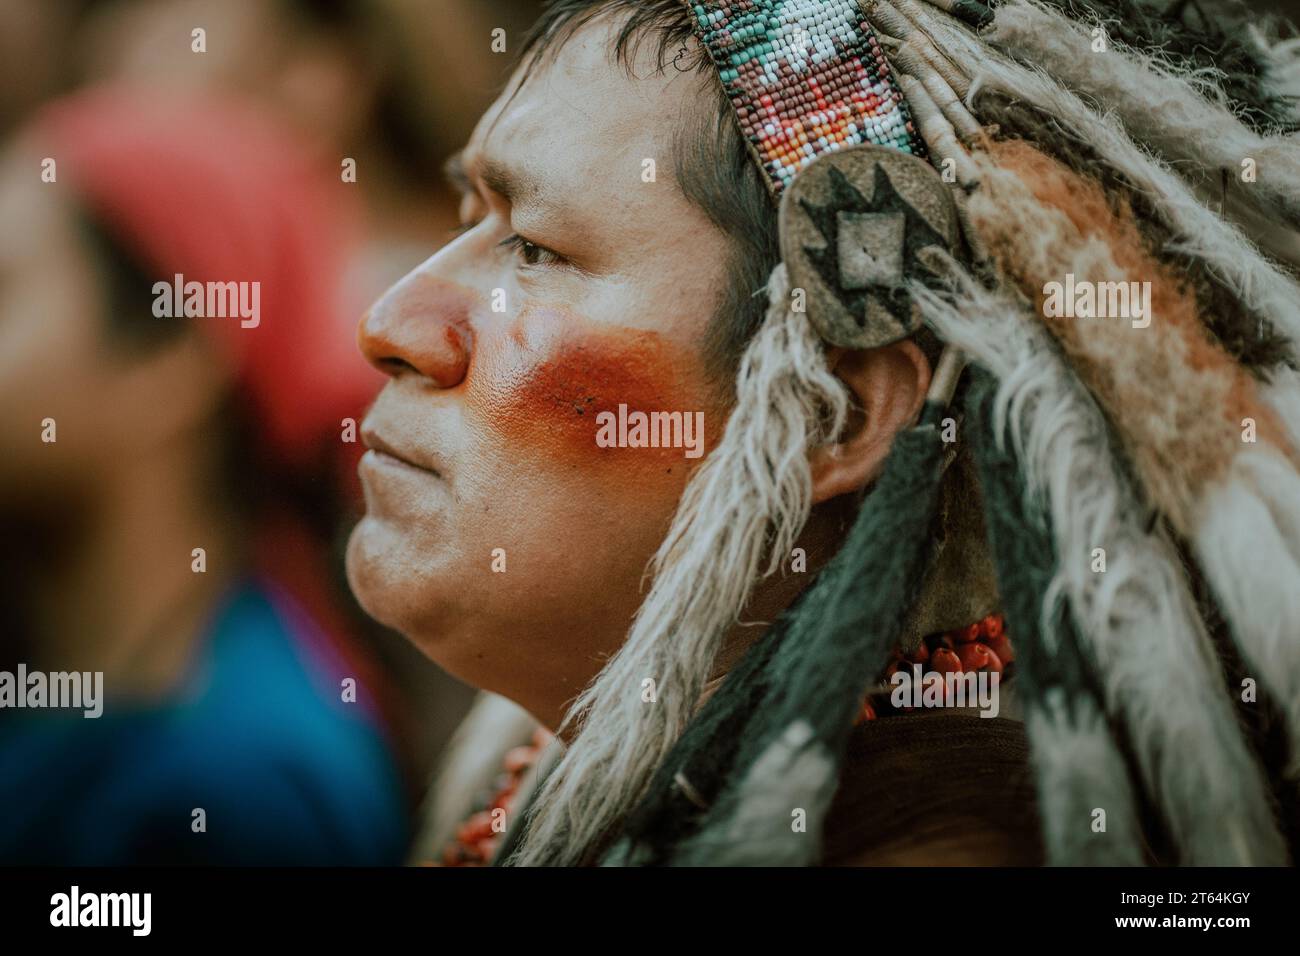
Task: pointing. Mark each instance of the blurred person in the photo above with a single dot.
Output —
(239, 723)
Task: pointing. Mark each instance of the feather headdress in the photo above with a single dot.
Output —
(1138, 461)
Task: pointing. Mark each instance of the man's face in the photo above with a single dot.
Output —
(577, 287)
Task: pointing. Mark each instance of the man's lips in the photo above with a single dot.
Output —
(385, 452)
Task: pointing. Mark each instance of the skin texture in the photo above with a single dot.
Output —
(484, 437)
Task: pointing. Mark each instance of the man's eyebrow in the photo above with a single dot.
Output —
(496, 176)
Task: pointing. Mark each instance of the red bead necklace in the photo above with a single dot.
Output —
(479, 837)
(982, 646)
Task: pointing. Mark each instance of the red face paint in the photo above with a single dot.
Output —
(555, 373)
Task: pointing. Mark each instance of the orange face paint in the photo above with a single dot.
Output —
(554, 373)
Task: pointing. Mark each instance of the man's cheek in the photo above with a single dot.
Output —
(593, 396)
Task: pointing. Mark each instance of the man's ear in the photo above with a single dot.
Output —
(887, 388)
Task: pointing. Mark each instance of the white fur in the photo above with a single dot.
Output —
(1248, 542)
(1139, 616)
(1283, 58)
(1283, 394)
(1171, 111)
(795, 772)
(1079, 771)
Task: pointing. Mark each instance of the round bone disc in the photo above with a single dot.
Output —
(856, 226)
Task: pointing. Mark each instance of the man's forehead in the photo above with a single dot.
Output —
(579, 105)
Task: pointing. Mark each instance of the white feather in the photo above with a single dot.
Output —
(793, 779)
(1138, 617)
(1246, 541)
(1085, 801)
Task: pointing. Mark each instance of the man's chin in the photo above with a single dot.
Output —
(390, 586)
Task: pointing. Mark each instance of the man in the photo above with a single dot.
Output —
(616, 233)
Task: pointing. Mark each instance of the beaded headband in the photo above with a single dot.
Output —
(805, 78)
(812, 90)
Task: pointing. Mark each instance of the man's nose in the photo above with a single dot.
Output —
(420, 325)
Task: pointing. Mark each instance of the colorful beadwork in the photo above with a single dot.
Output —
(805, 77)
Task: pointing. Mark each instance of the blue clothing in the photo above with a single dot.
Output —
(259, 739)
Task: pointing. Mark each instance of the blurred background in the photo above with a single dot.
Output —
(225, 691)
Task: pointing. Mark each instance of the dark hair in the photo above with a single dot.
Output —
(711, 163)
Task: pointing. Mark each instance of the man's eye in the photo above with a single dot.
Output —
(531, 253)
